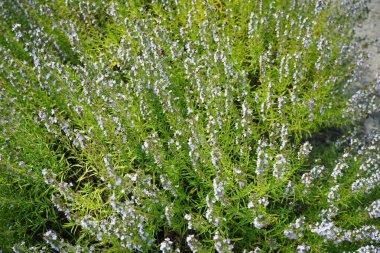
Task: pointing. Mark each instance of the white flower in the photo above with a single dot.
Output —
(302, 248)
(165, 246)
(280, 167)
(189, 223)
(194, 245)
(259, 222)
(374, 209)
(305, 150)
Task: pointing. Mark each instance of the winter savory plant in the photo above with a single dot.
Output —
(186, 126)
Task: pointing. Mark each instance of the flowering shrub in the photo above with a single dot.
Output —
(185, 126)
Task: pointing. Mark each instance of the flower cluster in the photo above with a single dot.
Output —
(295, 229)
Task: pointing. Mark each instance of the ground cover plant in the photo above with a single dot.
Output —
(186, 126)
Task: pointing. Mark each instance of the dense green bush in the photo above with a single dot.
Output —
(185, 126)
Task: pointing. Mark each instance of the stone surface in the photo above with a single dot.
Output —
(368, 35)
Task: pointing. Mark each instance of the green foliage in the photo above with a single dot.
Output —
(183, 125)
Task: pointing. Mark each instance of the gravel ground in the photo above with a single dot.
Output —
(368, 34)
